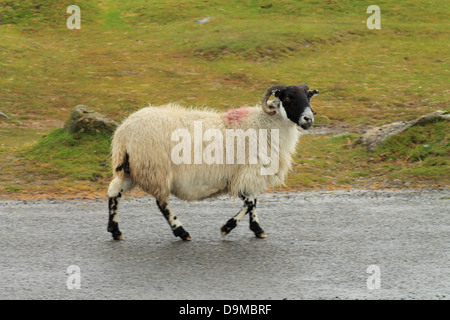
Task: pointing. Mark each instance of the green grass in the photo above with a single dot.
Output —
(419, 143)
(17, 137)
(129, 53)
(61, 154)
(419, 156)
(426, 147)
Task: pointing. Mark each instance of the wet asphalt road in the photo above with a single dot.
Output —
(319, 246)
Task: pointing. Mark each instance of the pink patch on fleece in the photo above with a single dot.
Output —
(236, 115)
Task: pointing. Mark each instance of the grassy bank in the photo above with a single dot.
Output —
(63, 164)
(129, 53)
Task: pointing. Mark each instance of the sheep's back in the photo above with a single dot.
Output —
(146, 136)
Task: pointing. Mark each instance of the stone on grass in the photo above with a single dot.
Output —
(373, 138)
(84, 119)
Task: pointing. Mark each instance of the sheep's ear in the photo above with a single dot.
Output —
(280, 96)
(312, 93)
(276, 93)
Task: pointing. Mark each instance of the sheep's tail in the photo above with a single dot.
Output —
(120, 160)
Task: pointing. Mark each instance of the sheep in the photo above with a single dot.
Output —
(144, 153)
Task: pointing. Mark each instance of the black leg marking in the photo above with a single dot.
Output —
(125, 166)
(174, 223)
(163, 209)
(227, 227)
(113, 224)
(183, 234)
(254, 224)
(249, 207)
(256, 228)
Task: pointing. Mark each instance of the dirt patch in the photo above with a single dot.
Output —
(337, 128)
(33, 124)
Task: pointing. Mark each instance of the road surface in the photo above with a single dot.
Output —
(320, 245)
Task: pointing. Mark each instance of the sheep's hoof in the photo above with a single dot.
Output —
(230, 225)
(183, 234)
(118, 237)
(261, 235)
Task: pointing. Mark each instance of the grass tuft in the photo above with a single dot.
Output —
(61, 154)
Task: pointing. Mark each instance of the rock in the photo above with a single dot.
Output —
(376, 136)
(439, 114)
(84, 119)
(202, 21)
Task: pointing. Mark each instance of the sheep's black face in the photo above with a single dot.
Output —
(296, 106)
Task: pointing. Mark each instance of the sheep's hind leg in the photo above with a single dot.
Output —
(116, 188)
(113, 221)
(174, 222)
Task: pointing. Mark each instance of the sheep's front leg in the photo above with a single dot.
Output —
(249, 207)
(232, 223)
(254, 223)
(174, 222)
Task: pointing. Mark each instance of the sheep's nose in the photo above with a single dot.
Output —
(307, 119)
